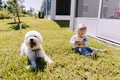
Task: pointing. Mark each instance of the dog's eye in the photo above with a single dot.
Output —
(35, 36)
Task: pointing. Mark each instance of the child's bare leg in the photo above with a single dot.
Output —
(104, 50)
(93, 54)
(99, 50)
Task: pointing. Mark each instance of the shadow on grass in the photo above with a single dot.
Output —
(41, 65)
(12, 23)
(4, 30)
(63, 23)
(15, 26)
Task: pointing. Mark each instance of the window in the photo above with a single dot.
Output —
(111, 9)
(63, 7)
(87, 8)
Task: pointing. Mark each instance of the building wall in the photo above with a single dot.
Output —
(91, 24)
(104, 28)
(107, 28)
(53, 10)
(87, 13)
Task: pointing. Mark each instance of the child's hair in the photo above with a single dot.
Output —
(81, 27)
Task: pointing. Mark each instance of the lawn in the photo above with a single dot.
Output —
(68, 65)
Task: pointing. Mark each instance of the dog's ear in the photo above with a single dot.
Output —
(40, 38)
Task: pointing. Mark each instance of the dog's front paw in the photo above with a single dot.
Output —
(30, 68)
(22, 54)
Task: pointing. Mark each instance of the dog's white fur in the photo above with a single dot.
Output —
(31, 50)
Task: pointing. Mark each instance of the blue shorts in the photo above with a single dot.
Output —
(84, 50)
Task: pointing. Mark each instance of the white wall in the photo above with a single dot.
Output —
(91, 24)
(109, 29)
(104, 28)
(62, 17)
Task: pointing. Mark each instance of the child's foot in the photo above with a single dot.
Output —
(93, 54)
(104, 50)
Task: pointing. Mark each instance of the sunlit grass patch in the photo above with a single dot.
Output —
(68, 65)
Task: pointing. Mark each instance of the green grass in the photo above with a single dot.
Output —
(68, 65)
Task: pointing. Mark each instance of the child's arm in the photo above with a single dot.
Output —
(72, 40)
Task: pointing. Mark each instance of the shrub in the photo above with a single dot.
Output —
(22, 15)
(4, 15)
(1, 16)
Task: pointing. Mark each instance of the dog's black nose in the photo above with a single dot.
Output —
(31, 40)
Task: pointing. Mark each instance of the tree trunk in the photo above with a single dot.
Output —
(14, 20)
(14, 17)
(17, 13)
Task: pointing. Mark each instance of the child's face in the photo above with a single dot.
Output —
(81, 33)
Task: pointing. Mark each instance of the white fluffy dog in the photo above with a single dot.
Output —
(32, 47)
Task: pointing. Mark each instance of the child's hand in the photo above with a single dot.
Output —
(82, 43)
(77, 42)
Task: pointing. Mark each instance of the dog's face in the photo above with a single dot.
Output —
(33, 40)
